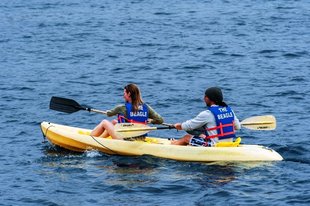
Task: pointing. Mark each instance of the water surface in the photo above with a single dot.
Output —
(257, 52)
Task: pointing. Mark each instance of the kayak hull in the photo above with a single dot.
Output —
(79, 140)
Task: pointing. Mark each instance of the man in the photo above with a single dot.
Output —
(216, 124)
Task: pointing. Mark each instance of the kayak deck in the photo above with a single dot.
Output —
(78, 139)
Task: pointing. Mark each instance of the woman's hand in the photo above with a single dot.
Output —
(114, 121)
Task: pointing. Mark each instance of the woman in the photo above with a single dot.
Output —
(134, 110)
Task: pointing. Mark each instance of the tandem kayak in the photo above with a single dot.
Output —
(79, 140)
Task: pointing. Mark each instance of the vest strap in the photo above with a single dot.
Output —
(221, 129)
(123, 119)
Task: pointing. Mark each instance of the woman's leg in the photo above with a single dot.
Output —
(109, 130)
(105, 129)
(98, 130)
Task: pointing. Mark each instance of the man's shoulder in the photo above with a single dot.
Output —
(205, 112)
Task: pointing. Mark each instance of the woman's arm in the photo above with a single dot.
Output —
(154, 116)
(119, 109)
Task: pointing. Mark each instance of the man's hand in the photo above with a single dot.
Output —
(178, 126)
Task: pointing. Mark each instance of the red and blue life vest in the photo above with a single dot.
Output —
(224, 118)
(139, 116)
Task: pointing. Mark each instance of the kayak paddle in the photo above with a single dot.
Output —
(267, 122)
(70, 106)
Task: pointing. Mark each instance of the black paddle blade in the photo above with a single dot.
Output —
(65, 105)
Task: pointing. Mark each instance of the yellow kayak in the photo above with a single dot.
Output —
(78, 139)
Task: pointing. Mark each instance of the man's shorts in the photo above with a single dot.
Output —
(199, 142)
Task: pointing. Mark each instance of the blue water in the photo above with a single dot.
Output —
(256, 51)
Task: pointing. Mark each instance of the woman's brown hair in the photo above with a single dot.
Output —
(135, 96)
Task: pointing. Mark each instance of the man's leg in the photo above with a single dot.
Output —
(183, 141)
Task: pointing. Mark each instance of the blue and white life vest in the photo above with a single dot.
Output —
(139, 116)
(224, 118)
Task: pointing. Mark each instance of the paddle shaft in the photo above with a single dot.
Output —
(92, 110)
(143, 129)
(97, 111)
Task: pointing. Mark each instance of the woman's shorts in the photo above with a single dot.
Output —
(199, 142)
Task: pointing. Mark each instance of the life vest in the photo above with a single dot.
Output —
(224, 118)
(139, 116)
